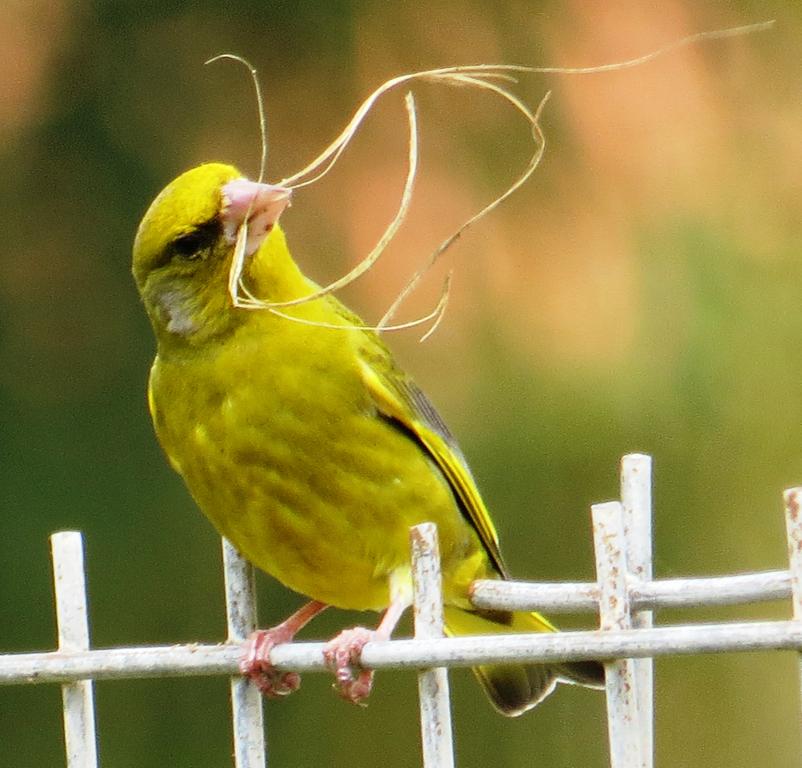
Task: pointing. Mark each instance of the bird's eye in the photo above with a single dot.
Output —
(194, 245)
(190, 246)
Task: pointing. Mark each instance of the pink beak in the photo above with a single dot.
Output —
(261, 203)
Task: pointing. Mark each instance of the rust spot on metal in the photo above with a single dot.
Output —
(792, 503)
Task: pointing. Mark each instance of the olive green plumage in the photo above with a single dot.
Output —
(307, 446)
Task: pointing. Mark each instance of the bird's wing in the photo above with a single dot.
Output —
(400, 400)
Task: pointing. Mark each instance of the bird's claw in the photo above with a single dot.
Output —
(257, 667)
(343, 656)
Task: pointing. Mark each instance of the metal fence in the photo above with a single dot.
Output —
(624, 596)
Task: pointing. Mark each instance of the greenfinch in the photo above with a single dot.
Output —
(304, 443)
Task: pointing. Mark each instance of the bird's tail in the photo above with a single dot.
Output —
(515, 688)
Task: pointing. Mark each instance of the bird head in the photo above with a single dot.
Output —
(185, 244)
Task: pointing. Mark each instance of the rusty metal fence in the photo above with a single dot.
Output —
(624, 597)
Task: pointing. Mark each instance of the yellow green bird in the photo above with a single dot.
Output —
(306, 445)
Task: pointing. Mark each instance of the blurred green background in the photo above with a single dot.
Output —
(640, 293)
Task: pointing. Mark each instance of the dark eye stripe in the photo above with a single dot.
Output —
(189, 246)
(193, 244)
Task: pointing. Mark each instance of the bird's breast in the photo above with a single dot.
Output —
(288, 458)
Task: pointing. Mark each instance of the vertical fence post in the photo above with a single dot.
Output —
(793, 526)
(636, 497)
(246, 701)
(435, 707)
(73, 635)
(623, 725)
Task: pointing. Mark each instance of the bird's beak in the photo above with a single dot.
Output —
(262, 204)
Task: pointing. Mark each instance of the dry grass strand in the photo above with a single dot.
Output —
(482, 76)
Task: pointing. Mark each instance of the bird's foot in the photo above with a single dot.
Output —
(343, 656)
(256, 665)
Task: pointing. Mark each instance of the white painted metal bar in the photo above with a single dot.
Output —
(246, 700)
(623, 724)
(548, 597)
(73, 635)
(636, 499)
(583, 597)
(193, 660)
(435, 706)
(623, 548)
(793, 526)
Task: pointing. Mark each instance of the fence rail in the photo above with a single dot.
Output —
(204, 660)
(583, 597)
(624, 596)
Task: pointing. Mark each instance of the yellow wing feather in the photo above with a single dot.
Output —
(399, 398)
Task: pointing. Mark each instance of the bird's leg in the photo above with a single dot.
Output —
(342, 654)
(255, 663)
